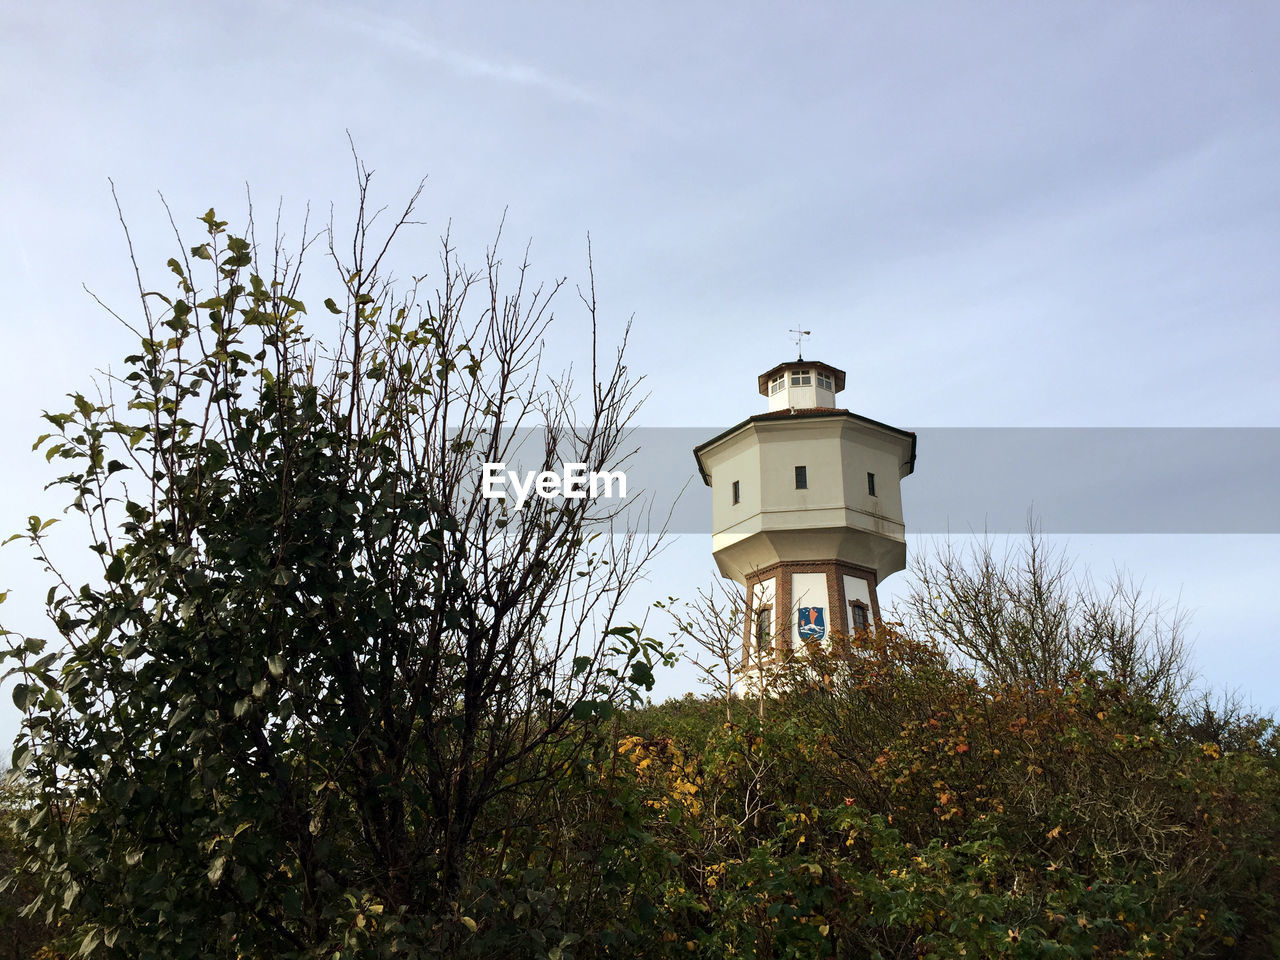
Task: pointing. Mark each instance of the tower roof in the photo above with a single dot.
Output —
(836, 373)
(907, 467)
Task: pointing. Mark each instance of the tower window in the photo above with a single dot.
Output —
(764, 628)
(825, 381)
(802, 478)
(871, 484)
(737, 491)
(858, 615)
(777, 383)
(801, 378)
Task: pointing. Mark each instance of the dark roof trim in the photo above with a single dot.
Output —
(809, 414)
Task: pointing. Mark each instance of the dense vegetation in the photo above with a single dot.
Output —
(326, 701)
(315, 664)
(891, 805)
(886, 805)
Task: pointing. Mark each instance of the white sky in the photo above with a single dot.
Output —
(989, 214)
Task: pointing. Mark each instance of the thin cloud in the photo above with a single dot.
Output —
(398, 34)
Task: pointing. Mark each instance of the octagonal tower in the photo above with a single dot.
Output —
(806, 510)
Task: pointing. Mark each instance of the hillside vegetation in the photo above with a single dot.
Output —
(885, 805)
(891, 805)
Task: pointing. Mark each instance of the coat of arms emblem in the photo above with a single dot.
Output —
(812, 624)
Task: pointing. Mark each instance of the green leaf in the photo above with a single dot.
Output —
(275, 664)
(22, 757)
(90, 940)
(212, 222)
(642, 675)
(115, 569)
(333, 307)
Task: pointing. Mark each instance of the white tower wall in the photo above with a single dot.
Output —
(820, 537)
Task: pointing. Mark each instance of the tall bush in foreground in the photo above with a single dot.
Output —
(320, 678)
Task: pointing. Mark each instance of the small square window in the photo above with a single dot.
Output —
(777, 383)
(802, 478)
(825, 381)
(801, 378)
(871, 484)
(737, 492)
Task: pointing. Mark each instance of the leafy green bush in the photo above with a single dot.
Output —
(889, 804)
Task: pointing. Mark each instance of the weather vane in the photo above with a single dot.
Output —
(800, 335)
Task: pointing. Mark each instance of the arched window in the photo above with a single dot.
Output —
(764, 629)
(859, 615)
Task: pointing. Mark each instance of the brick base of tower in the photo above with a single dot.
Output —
(778, 593)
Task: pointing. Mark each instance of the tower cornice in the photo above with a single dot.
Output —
(774, 416)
